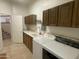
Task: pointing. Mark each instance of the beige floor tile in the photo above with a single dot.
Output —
(16, 51)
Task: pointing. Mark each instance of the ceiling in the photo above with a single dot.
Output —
(24, 2)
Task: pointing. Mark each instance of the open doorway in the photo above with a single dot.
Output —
(6, 29)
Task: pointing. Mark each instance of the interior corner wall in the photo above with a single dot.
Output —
(42, 5)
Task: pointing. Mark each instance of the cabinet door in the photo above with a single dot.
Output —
(65, 14)
(25, 39)
(27, 18)
(30, 44)
(45, 17)
(76, 14)
(33, 19)
(30, 20)
(53, 16)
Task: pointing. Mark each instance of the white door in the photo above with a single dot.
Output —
(17, 29)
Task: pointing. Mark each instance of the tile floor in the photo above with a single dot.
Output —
(16, 51)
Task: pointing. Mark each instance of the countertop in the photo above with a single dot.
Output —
(35, 34)
(58, 49)
(31, 33)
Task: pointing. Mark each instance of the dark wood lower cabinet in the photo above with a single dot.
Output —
(30, 44)
(27, 40)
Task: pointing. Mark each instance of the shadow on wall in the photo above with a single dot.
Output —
(64, 31)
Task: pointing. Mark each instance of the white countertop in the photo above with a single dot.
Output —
(31, 33)
(61, 50)
(58, 49)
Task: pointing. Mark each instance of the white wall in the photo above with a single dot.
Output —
(17, 29)
(43, 5)
(1, 43)
(8, 7)
(5, 7)
(46, 4)
(63, 31)
(19, 10)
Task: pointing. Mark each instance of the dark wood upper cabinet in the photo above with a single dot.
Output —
(50, 16)
(59, 16)
(65, 14)
(45, 18)
(76, 14)
(53, 16)
(26, 20)
(31, 19)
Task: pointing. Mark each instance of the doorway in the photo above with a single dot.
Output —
(6, 29)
